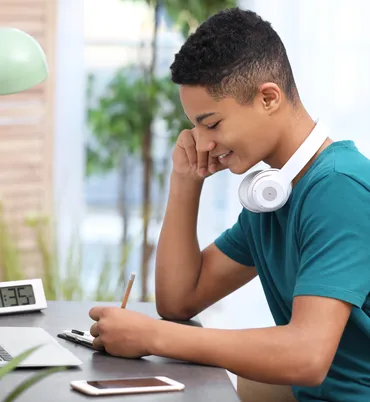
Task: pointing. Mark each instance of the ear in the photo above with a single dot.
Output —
(271, 96)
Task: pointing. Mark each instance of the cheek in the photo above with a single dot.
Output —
(236, 139)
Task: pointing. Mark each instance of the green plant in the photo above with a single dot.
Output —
(9, 255)
(67, 285)
(187, 18)
(13, 364)
(40, 226)
(122, 122)
(58, 284)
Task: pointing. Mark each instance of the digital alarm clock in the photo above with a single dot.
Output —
(21, 296)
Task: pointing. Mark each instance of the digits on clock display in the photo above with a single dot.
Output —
(17, 296)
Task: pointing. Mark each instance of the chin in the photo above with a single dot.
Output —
(239, 170)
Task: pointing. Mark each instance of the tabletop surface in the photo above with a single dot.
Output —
(202, 383)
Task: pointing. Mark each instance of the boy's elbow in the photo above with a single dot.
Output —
(169, 311)
(312, 379)
(311, 372)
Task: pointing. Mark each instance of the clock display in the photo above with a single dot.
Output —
(17, 296)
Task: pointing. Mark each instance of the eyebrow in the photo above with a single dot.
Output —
(203, 116)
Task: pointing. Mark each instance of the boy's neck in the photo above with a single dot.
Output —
(295, 131)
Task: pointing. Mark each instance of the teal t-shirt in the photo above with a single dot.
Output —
(318, 244)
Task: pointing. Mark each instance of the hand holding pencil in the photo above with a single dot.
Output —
(122, 332)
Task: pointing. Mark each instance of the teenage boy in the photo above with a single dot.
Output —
(312, 254)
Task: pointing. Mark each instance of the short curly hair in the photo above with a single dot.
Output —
(231, 54)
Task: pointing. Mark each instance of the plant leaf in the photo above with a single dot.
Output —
(31, 381)
(16, 361)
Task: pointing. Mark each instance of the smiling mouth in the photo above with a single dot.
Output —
(220, 157)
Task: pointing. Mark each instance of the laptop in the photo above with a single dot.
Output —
(15, 340)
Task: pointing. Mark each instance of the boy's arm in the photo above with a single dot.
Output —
(189, 280)
(299, 353)
(332, 277)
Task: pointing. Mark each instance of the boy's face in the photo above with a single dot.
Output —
(247, 134)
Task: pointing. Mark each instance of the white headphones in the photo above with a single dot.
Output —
(268, 190)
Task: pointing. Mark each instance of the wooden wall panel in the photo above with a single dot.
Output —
(26, 134)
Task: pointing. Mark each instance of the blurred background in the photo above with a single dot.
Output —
(85, 157)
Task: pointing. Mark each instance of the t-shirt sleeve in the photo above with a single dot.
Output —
(234, 241)
(334, 238)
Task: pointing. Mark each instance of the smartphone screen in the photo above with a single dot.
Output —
(128, 383)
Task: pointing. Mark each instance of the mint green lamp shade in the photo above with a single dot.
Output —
(22, 61)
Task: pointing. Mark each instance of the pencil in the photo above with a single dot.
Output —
(128, 291)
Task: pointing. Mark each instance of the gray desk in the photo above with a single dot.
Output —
(202, 383)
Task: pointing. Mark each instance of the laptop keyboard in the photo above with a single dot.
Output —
(4, 355)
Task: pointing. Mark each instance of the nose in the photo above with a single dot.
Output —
(203, 142)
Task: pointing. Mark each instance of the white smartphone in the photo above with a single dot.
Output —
(135, 385)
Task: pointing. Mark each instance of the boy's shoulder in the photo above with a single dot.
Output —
(338, 182)
(340, 163)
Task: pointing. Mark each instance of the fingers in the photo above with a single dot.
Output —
(95, 313)
(213, 164)
(98, 344)
(190, 149)
(202, 164)
(199, 161)
(202, 158)
(94, 330)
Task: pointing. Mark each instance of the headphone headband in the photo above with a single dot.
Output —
(304, 153)
(268, 190)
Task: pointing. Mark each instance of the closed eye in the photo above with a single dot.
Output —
(213, 126)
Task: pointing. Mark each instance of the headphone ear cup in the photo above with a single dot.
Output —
(245, 193)
(261, 191)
